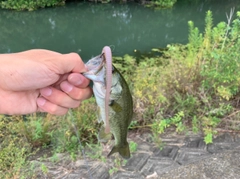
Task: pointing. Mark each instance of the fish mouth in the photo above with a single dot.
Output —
(95, 71)
(94, 65)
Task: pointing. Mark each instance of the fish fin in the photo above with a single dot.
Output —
(123, 151)
(115, 106)
(102, 136)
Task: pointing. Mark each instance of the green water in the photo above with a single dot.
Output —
(86, 27)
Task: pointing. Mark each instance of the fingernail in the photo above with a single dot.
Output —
(79, 81)
(75, 79)
(66, 87)
(46, 91)
(41, 101)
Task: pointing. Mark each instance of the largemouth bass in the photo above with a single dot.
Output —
(119, 103)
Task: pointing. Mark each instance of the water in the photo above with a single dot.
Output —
(86, 27)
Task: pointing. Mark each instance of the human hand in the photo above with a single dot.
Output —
(41, 80)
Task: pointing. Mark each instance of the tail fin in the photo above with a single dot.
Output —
(123, 151)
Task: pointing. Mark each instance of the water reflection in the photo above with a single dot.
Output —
(85, 28)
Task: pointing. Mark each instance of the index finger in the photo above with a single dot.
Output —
(66, 63)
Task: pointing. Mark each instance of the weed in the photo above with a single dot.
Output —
(94, 151)
(199, 80)
(160, 125)
(133, 124)
(159, 4)
(133, 146)
(54, 158)
(113, 170)
(19, 135)
(44, 168)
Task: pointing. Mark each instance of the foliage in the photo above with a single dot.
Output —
(205, 73)
(94, 151)
(192, 85)
(13, 148)
(29, 4)
(161, 3)
(12, 159)
(133, 146)
(19, 135)
(159, 127)
(118, 163)
(73, 131)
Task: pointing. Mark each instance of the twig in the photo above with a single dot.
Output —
(229, 19)
(225, 118)
(229, 131)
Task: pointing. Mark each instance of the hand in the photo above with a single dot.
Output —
(41, 80)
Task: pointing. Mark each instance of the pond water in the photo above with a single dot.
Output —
(86, 27)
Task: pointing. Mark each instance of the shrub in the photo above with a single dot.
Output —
(162, 3)
(20, 136)
(29, 4)
(13, 148)
(199, 79)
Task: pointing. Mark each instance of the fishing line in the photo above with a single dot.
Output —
(112, 47)
(80, 143)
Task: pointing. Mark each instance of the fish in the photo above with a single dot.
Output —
(119, 103)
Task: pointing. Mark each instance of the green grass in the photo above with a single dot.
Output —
(21, 136)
